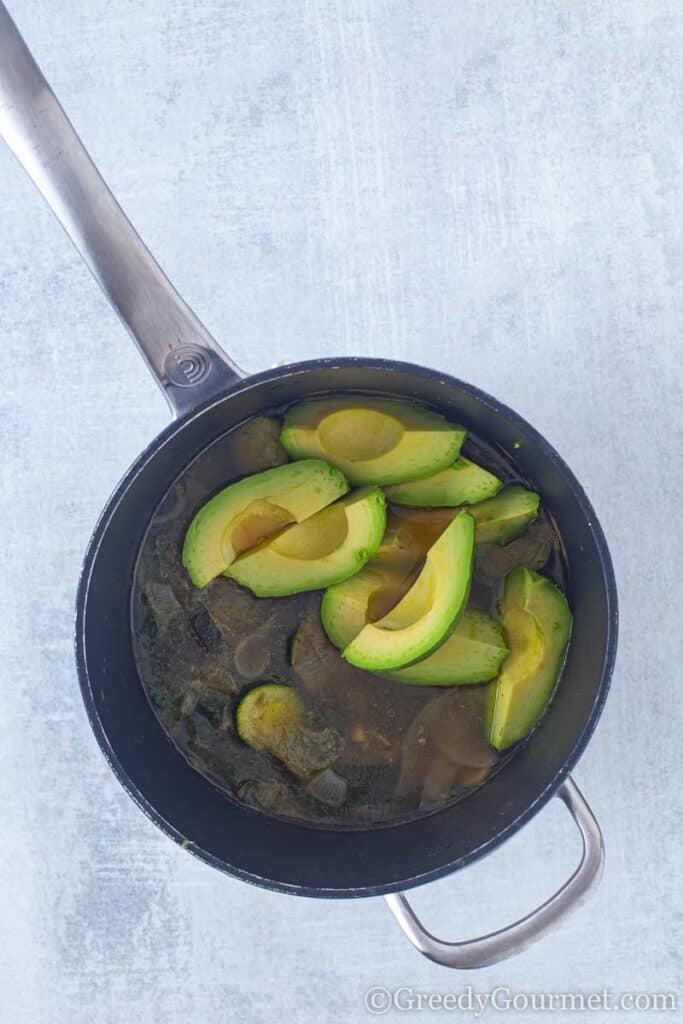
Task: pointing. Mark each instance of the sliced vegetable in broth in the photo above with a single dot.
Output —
(250, 688)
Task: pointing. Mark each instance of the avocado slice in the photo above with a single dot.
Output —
(242, 514)
(463, 483)
(326, 548)
(473, 653)
(347, 607)
(372, 440)
(428, 612)
(505, 516)
(536, 623)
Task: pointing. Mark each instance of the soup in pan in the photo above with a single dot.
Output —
(349, 612)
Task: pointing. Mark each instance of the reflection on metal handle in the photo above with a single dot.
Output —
(500, 945)
(185, 360)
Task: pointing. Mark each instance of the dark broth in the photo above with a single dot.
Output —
(199, 651)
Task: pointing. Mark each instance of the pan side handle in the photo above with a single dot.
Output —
(490, 949)
(187, 363)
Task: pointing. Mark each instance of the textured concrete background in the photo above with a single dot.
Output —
(490, 187)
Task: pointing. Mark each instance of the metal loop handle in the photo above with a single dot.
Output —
(188, 364)
(507, 942)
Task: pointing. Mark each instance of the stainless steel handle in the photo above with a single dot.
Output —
(507, 942)
(187, 363)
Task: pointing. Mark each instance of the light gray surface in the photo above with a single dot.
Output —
(493, 188)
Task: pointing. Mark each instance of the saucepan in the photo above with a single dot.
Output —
(208, 395)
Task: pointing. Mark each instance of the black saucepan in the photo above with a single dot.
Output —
(209, 396)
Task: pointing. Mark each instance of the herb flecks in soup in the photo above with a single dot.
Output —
(356, 636)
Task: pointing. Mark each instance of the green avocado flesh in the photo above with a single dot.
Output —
(504, 517)
(244, 513)
(463, 483)
(327, 547)
(273, 719)
(372, 440)
(427, 614)
(472, 654)
(536, 623)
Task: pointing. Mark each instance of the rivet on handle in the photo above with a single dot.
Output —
(187, 363)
